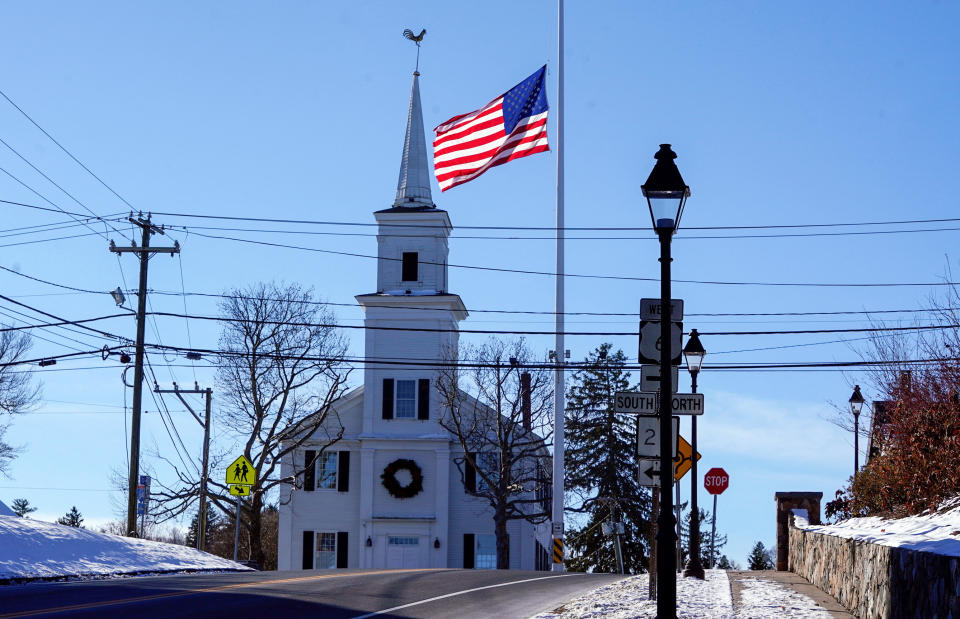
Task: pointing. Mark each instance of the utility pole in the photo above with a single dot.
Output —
(204, 474)
(144, 253)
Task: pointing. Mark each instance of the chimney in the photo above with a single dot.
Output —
(525, 400)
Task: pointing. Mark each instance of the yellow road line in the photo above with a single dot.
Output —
(174, 594)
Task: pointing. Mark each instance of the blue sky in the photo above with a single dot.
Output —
(781, 114)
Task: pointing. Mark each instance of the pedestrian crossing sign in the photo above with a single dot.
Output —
(241, 472)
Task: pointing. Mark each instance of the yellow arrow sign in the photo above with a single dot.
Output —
(241, 472)
(240, 490)
(682, 463)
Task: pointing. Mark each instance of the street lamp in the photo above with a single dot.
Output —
(694, 354)
(666, 194)
(856, 405)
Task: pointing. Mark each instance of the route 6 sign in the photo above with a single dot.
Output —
(650, 341)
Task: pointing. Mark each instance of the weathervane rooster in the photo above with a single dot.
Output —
(416, 38)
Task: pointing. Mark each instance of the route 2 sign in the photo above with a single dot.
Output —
(648, 436)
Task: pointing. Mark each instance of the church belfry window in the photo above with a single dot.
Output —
(410, 267)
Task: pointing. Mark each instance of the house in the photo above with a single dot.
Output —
(389, 494)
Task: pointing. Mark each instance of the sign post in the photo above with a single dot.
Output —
(715, 482)
(240, 476)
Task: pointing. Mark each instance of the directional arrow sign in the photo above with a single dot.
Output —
(236, 490)
(649, 473)
(648, 436)
(682, 463)
(650, 378)
(648, 403)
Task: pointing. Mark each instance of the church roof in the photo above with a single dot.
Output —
(413, 186)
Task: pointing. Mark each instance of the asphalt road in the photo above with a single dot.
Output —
(331, 594)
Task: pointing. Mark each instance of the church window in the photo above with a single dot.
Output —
(409, 270)
(485, 557)
(327, 471)
(325, 556)
(406, 399)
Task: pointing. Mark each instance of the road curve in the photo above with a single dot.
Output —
(347, 594)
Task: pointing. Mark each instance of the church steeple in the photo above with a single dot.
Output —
(413, 187)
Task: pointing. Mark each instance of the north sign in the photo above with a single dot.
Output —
(650, 341)
(648, 436)
(652, 309)
(648, 403)
(650, 378)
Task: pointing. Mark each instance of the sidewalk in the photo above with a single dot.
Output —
(740, 582)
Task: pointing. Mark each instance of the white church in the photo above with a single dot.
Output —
(343, 515)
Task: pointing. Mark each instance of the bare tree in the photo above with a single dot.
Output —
(281, 366)
(503, 428)
(18, 391)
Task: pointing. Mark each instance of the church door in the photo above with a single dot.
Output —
(403, 551)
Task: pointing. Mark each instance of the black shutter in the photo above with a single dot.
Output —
(423, 398)
(388, 398)
(343, 472)
(468, 551)
(309, 470)
(470, 475)
(341, 549)
(308, 550)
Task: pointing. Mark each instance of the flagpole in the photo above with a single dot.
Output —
(558, 396)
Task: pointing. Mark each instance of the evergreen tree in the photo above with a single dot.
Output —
(22, 507)
(72, 518)
(210, 524)
(726, 564)
(706, 560)
(601, 468)
(759, 558)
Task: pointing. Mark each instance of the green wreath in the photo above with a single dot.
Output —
(389, 478)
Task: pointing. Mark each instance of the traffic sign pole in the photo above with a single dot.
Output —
(666, 560)
(715, 481)
(694, 568)
(236, 532)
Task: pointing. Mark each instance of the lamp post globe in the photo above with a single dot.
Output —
(665, 191)
(694, 352)
(856, 405)
(666, 195)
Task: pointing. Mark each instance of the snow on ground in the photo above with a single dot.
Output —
(36, 549)
(938, 532)
(764, 598)
(696, 599)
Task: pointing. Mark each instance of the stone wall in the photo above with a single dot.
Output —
(874, 581)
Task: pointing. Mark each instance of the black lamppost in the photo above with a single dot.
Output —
(856, 405)
(694, 353)
(666, 193)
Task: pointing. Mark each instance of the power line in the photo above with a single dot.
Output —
(64, 149)
(580, 275)
(554, 228)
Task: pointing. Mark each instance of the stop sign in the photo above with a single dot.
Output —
(716, 481)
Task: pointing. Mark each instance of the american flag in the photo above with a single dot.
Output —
(511, 126)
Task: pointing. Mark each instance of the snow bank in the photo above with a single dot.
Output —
(938, 532)
(34, 549)
(696, 599)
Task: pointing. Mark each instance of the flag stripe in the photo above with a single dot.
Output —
(469, 144)
(482, 153)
